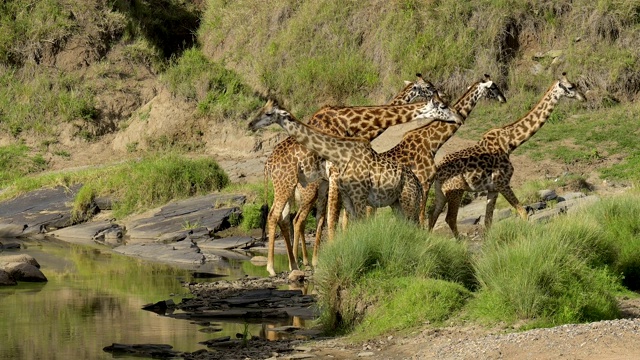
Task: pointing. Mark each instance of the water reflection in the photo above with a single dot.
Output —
(94, 298)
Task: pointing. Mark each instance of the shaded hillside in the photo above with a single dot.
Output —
(79, 76)
(334, 51)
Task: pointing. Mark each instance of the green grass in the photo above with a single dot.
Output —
(546, 276)
(377, 276)
(380, 251)
(16, 161)
(412, 303)
(218, 92)
(36, 99)
(24, 25)
(135, 185)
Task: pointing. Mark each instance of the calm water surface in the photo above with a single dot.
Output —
(93, 298)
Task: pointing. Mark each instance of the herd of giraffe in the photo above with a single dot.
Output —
(329, 162)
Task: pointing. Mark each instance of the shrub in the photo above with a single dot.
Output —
(382, 248)
(554, 273)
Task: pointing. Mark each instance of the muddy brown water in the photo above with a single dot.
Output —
(94, 298)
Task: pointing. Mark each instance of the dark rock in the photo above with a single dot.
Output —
(146, 350)
(103, 203)
(216, 340)
(6, 279)
(37, 211)
(160, 307)
(547, 194)
(24, 272)
(9, 246)
(88, 233)
(233, 242)
(172, 218)
(210, 330)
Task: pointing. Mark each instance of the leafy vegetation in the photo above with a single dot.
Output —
(569, 270)
(133, 185)
(15, 162)
(218, 92)
(364, 255)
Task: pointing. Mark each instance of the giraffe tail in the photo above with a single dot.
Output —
(264, 210)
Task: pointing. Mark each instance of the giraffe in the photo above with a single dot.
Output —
(365, 177)
(486, 165)
(418, 147)
(291, 163)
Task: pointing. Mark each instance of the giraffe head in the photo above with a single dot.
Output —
(271, 113)
(419, 90)
(437, 109)
(564, 87)
(491, 90)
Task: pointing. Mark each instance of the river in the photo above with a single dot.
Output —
(94, 298)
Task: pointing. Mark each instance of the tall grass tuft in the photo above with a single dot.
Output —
(157, 180)
(618, 217)
(378, 250)
(553, 273)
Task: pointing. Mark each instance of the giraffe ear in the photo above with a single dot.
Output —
(407, 82)
(487, 77)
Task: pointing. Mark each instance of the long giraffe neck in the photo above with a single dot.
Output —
(521, 130)
(329, 147)
(468, 100)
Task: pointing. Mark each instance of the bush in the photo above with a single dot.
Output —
(554, 273)
(618, 218)
(387, 248)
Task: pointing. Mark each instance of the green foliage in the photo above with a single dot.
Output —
(619, 220)
(554, 273)
(25, 25)
(251, 215)
(382, 247)
(157, 180)
(627, 169)
(406, 302)
(16, 161)
(82, 204)
(219, 92)
(38, 98)
(135, 185)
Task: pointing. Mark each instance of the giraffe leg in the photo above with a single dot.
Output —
(345, 218)
(508, 194)
(440, 202)
(273, 221)
(422, 218)
(321, 215)
(308, 196)
(333, 206)
(284, 228)
(492, 196)
(454, 198)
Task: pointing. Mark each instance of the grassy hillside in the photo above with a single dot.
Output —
(76, 71)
